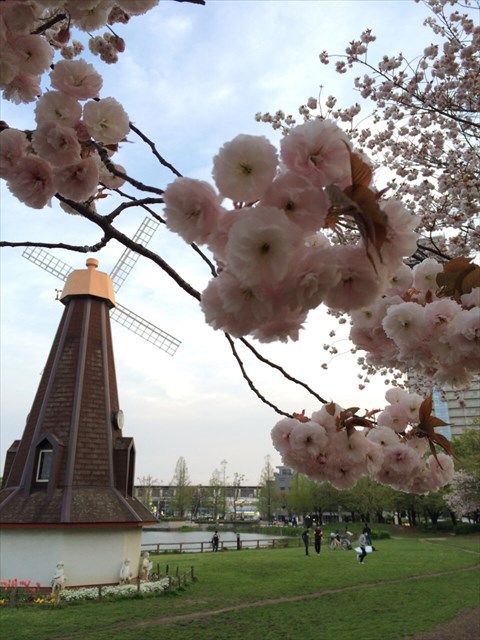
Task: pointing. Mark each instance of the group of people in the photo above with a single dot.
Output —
(364, 541)
(317, 538)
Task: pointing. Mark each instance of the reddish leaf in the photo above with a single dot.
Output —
(459, 276)
(426, 429)
(301, 417)
(330, 408)
(425, 409)
(360, 170)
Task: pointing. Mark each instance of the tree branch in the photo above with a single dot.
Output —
(282, 371)
(249, 381)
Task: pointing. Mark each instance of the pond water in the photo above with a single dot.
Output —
(194, 541)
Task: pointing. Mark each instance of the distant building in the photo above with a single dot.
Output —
(459, 409)
(283, 478)
(239, 501)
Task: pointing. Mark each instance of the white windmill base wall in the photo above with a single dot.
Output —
(91, 556)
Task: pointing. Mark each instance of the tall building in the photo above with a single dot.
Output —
(459, 409)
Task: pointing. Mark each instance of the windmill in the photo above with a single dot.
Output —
(125, 317)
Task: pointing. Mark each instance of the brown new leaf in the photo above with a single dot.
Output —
(459, 276)
(330, 408)
(426, 429)
(301, 417)
(361, 202)
(348, 419)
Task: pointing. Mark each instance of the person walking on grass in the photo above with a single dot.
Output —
(318, 535)
(362, 542)
(306, 539)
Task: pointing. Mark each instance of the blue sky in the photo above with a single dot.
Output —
(192, 78)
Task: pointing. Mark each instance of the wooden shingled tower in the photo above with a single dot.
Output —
(67, 492)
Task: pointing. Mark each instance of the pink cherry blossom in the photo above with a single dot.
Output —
(441, 470)
(19, 16)
(400, 281)
(76, 78)
(359, 285)
(308, 440)
(24, 88)
(425, 274)
(88, 15)
(285, 327)
(244, 168)
(281, 433)
(311, 277)
(400, 462)
(259, 245)
(8, 66)
(439, 313)
(304, 204)
(57, 144)
(394, 416)
(419, 444)
(237, 299)
(34, 54)
(383, 436)
(13, 145)
(471, 299)
(77, 181)
(192, 209)
(401, 237)
(464, 330)
(55, 106)
(110, 180)
(106, 120)
(212, 305)
(344, 476)
(136, 7)
(318, 150)
(32, 181)
(405, 323)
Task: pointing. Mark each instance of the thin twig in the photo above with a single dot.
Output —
(249, 381)
(152, 146)
(282, 371)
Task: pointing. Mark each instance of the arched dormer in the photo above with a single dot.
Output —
(46, 463)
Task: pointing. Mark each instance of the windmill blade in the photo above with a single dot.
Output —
(145, 329)
(129, 258)
(47, 261)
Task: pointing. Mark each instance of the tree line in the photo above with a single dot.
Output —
(367, 501)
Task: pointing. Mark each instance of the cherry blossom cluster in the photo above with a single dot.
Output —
(275, 262)
(464, 497)
(31, 32)
(425, 127)
(391, 452)
(412, 328)
(60, 155)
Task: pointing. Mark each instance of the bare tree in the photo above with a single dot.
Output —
(269, 496)
(238, 478)
(182, 488)
(145, 487)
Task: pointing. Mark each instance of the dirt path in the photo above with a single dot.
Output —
(467, 622)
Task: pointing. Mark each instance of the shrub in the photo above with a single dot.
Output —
(380, 535)
(464, 528)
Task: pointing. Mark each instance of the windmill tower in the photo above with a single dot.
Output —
(67, 492)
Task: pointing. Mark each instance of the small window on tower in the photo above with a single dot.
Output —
(45, 459)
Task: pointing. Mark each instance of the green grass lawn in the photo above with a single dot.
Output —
(395, 594)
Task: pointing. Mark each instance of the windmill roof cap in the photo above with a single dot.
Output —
(89, 282)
